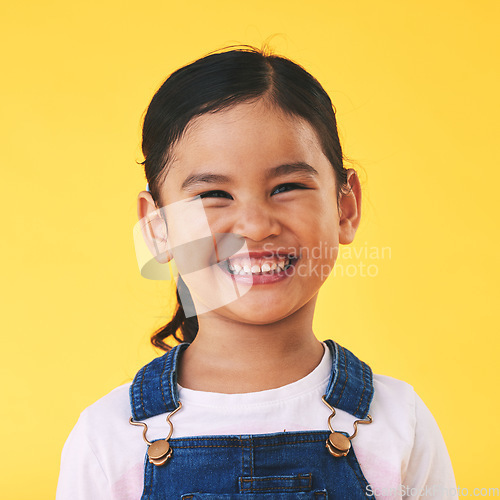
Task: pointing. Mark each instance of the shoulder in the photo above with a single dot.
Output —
(400, 399)
(390, 392)
(397, 410)
(405, 446)
(114, 405)
(103, 452)
(397, 402)
(399, 405)
(103, 429)
(393, 411)
(107, 417)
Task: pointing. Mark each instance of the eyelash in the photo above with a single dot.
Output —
(210, 194)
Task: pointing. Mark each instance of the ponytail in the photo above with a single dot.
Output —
(188, 326)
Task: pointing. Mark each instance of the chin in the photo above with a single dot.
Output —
(257, 313)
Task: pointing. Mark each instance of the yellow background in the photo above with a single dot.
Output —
(415, 84)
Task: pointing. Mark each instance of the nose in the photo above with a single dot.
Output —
(256, 221)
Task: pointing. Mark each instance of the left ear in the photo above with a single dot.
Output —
(350, 208)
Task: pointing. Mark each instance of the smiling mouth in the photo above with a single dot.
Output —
(258, 266)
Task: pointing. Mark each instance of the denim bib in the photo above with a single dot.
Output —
(277, 466)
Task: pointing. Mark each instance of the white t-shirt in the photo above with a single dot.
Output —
(402, 453)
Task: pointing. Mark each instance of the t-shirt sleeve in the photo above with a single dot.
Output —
(81, 476)
(429, 472)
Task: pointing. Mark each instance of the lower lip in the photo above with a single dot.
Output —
(262, 279)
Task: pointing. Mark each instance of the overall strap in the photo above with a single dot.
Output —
(350, 387)
(154, 388)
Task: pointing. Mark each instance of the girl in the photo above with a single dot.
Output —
(248, 193)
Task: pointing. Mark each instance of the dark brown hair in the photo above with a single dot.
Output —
(212, 83)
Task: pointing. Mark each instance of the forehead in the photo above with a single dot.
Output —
(246, 136)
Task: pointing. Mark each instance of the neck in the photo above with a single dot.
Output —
(232, 357)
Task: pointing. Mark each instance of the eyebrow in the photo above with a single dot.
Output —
(298, 167)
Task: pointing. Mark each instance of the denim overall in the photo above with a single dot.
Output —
(278, 466)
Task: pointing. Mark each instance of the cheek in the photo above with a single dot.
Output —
(319, 227)
(189, 233)
(191, 246)
(318, 237)
(221, 219)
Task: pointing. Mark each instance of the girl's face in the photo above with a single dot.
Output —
(261, 175)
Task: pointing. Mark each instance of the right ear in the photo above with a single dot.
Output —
(153, 227)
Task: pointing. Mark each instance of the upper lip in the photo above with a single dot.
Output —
(265, 254)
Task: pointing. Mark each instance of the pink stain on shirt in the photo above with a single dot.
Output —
(130, 484)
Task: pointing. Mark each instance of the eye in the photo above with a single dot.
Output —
(216, 194)
(282, 188)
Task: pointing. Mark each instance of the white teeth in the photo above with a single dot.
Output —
(247, 267)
